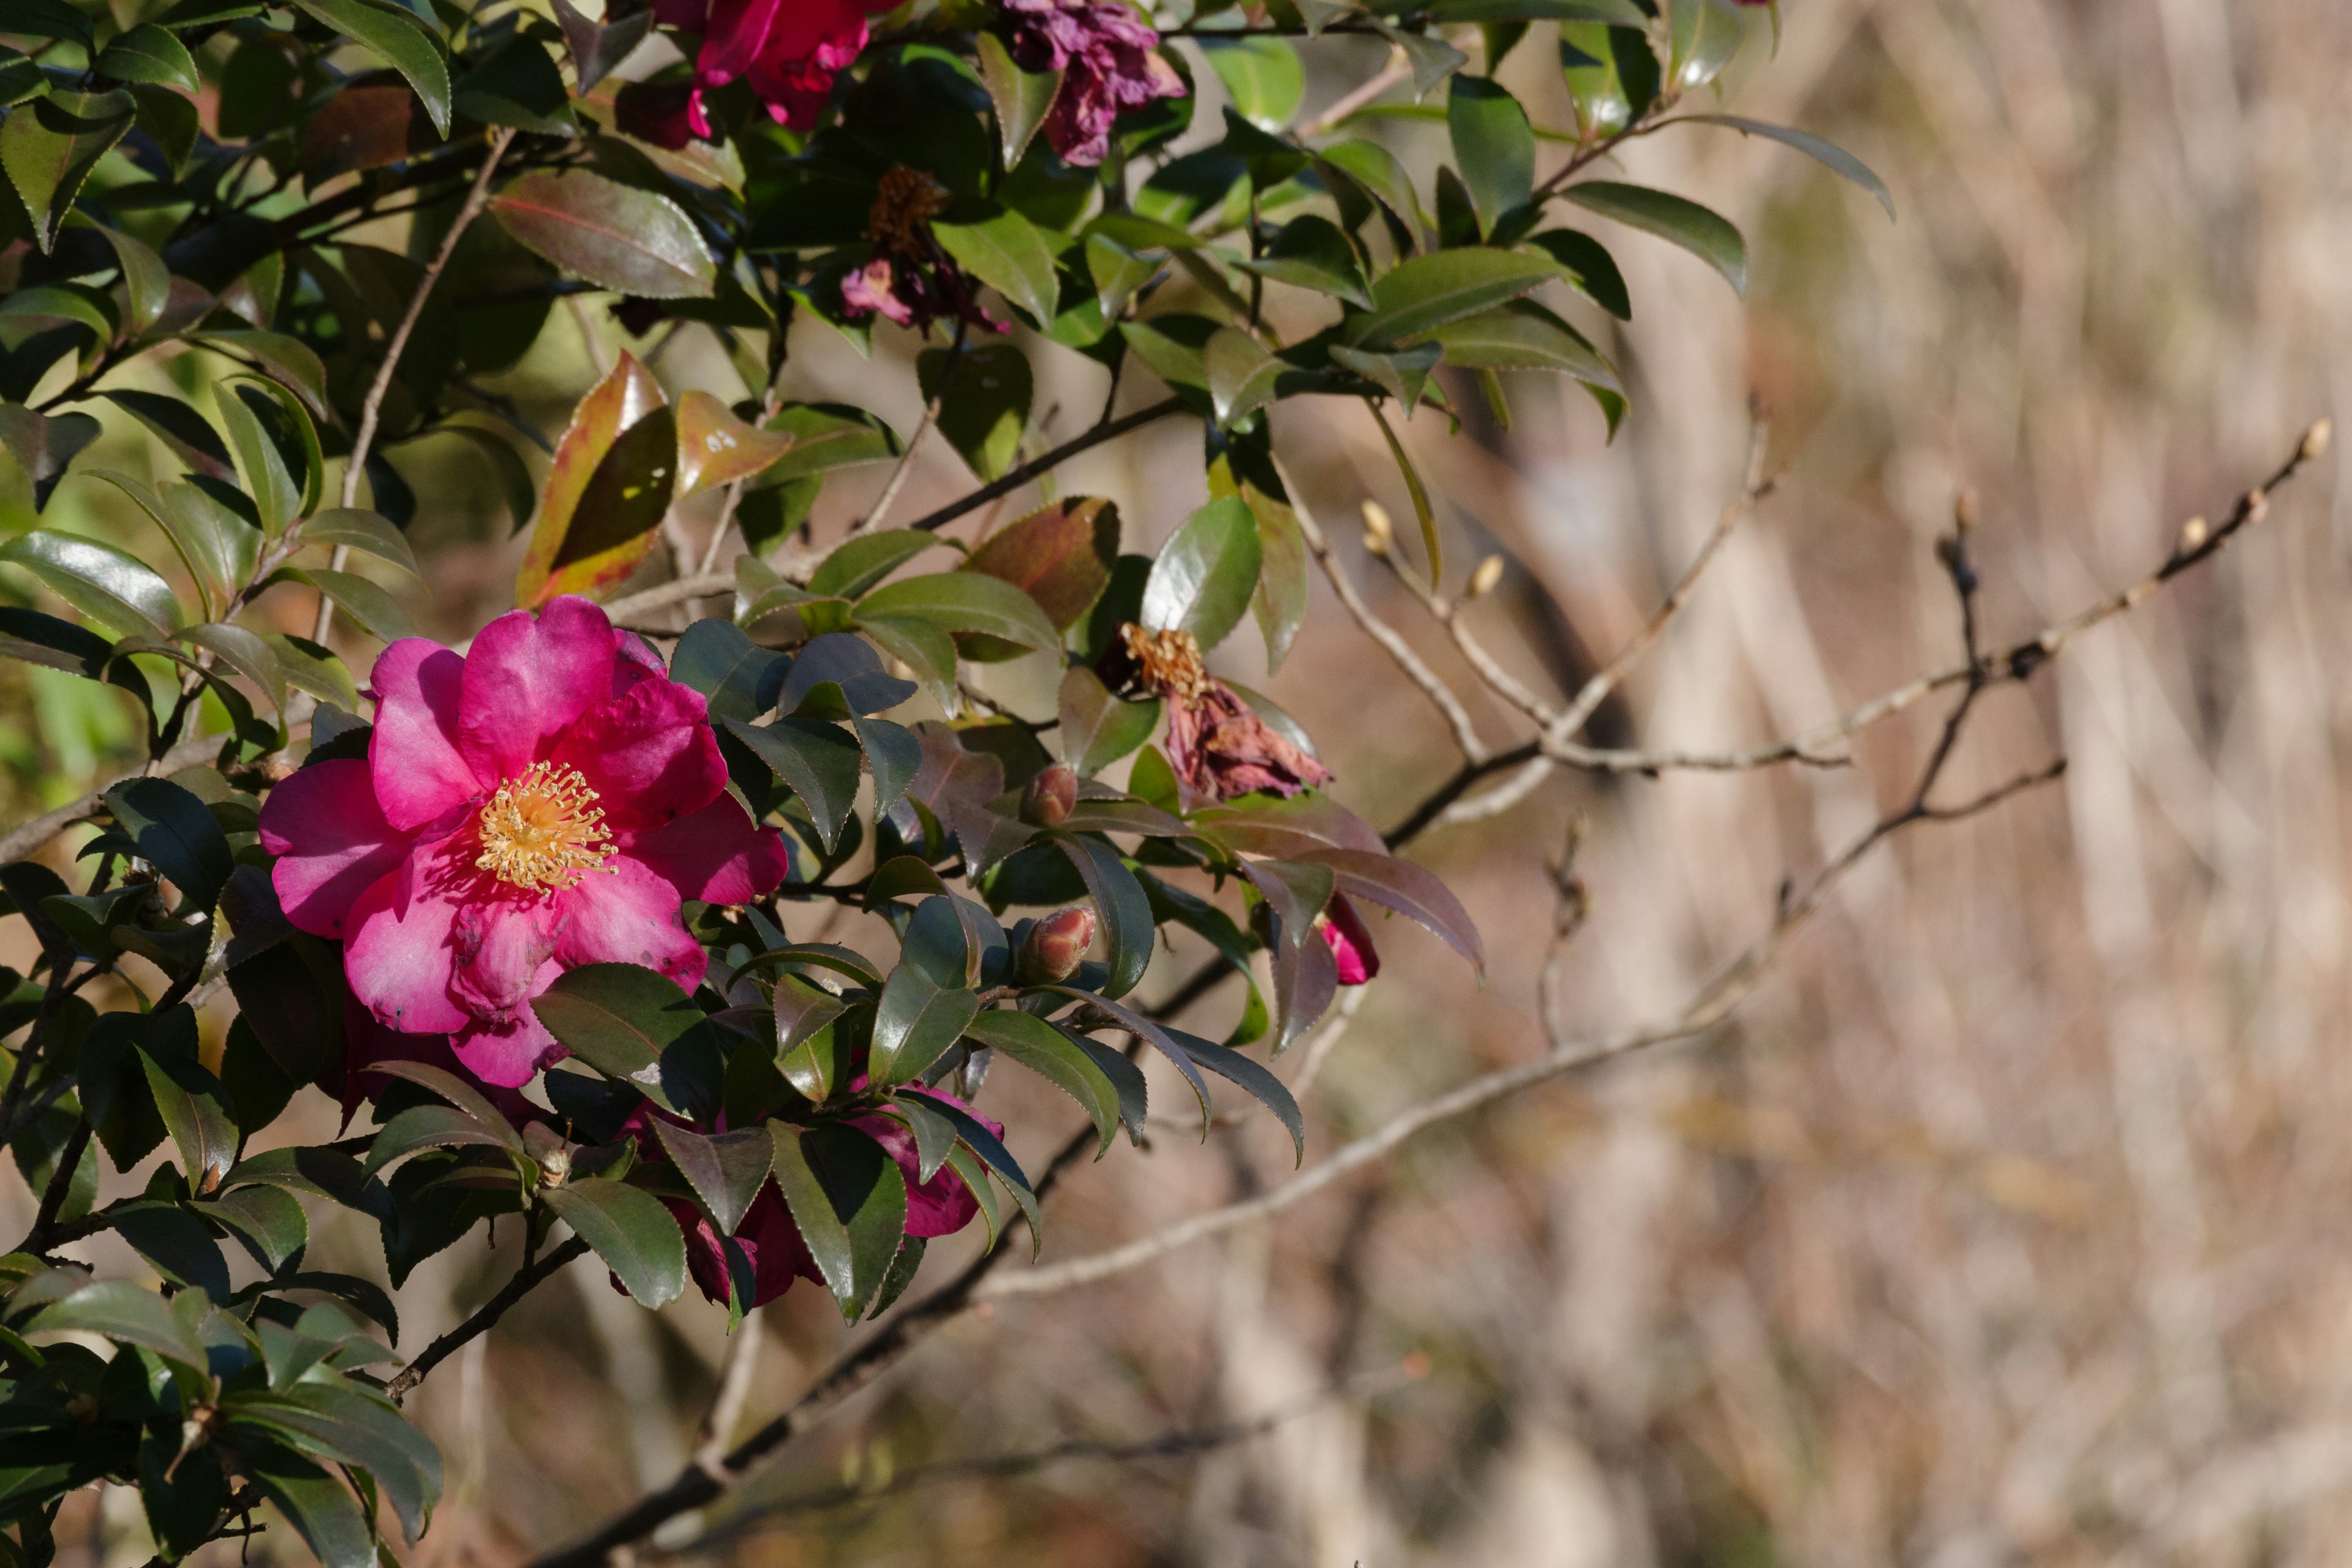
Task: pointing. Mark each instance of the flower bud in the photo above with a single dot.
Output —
(1378, 532)
(1057, 945)
(548, 1151)
(1051, 796)
(1489, 572)
(2315, 439)
(2194, 532)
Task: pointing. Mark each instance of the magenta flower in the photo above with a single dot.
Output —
(787, 50)
(940, 1206)
(1351, 940)
(1109, 60)
(548, 800)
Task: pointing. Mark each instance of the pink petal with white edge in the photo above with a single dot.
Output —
(399, 961)
(332, 841)
(529, 680)
(418, 769)
(715, 854)
(502, 944)
(507, 1053)
(649, 755)
(626, 915)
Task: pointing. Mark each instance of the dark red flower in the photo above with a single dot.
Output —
(1109, 60)
(1217, 744)
(1344, 933)
(910, 280)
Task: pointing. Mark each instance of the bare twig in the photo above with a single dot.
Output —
(527, 1278)
(1037, 466)
(372, 409)
(1398, 70)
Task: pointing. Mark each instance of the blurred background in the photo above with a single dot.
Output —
(2004, 1224)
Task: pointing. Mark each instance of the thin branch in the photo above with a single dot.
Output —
(1398, 70)
(527, 1278)
(27, 838)
(372, 409)
(1037, 467)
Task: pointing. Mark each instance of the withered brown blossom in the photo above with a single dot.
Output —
(910, 280)
(1217, 744)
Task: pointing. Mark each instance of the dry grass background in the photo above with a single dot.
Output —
(2006, 1224)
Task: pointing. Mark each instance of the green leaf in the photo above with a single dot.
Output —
(516, 84)
(401, 39)
(1240, 374)
(1494, 146)
(273, 491)
(357, 597)
(628, 1022)
(428, 1127)
(1007, 253)
(315, 669)
(289, 362)
(41, 640)
(1705, 235)
(148, 53)
(460, 1094)
(111, 587)
(818, 759)
(859, 564)
(363, 531)
(737, 676)
(43, 445)
(318, 1506)
(613, 234)
(892, 756)
(244, 652)
(268, 1220)
(121, 1310)
(1523, 335)
(171, 119)
(726, 1171)
(1401, 373)
(1621, 13)
(1098, 728)
(1701, 35)
(629, 1230)
(1251, 1077)
(983, 393)
(964, 602)
(1424, 292)
(146, 281)
(1022, 99)
(1378, 170)
(1204, 575)
(977, 1138)
(1128, 930)
(848, 1199)
(340, 1424)
(1047, 1052)
(1261, 74)
(49, 146)
(1592, 271)
(1312, 252)
(1827, 153)
(196, 1114)
(915, 1023)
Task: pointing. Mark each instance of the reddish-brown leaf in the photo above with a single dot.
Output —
(1060, 555)
(574, 497)
(716, 448)
(365, 127)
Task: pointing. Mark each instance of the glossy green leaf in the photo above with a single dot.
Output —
(964, 602)
(1427, 291)
(1044, 1050)
(268, 484)
(49, 146)
(1098, 728)
(378, 612)
(1701, 38)
(817, 759)
(1378, 170)
(849, 1201)
(1021, 98)
(121, 1310)
(1007, 253)
(1261, 74)
(44, 445)
(148, 53)
(1126, 927)
(915, 1023)
(984, 394)
(460, 1094)
(146, 281)
(614, 235)
(1703, 234)
(1311, 252)
(1523, 335)
(859, 562)
(1252, 1078)
(737, 676)
(110, 586)
(401, 39)
(624, 1020)
(427, 1127)
(246, 654)
(176, 835)
(1242, 374)
(1829, 155)
(630, 1230)
(1204, 576)
(363, 531)
(289, 362)
(1494, 147)
(726, 1170)
(267, 1219)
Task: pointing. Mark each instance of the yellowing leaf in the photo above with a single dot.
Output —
(606, 493)
(716, 448)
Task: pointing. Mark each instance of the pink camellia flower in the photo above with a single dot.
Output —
(547, 800)
(789, 51)
(1109, 60)
(1351, 940)
(940, 1206)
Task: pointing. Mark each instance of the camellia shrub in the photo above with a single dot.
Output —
(523, 911)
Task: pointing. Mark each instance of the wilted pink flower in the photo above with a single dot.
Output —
(910, 280)
(1109, 60)
(547, 800)
(1217, 744)
(772, 1243)
(788, 51)
(1344, 933)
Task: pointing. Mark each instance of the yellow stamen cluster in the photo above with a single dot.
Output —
(542, 831)
(1169, 661)
(907, 200)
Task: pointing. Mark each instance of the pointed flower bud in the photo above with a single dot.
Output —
(1378, 532)
(1051, 797)
(1057, 945)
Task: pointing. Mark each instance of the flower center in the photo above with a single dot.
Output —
(543, 830)
(1169, 661)
(907, 200)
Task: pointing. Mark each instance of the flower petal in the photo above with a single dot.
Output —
(627, 914)
(648, 754)
(507, 1054)
(501, 946)
(715, 854)
(529, 680)
(398, 959)
(943, 1205)
(418, 769)
(332, 841)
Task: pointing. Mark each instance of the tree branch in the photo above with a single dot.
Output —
(527, 1278)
